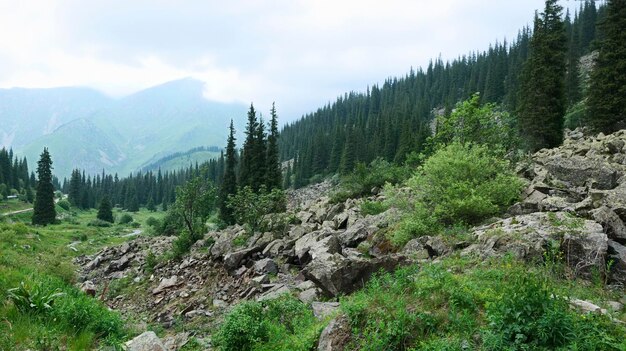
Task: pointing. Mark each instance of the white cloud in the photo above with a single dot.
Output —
(299, 53)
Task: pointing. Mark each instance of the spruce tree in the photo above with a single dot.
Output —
(44, 212)
(607, 91)
(274, 174)
(229, 183)
(542, 99)
(105, 212)
(248, 154)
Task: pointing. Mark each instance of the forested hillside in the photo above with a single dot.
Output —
(393, 119)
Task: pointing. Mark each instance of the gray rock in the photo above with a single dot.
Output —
(617, 259)
(148, 341)
(356, 233)
(165, 284)
(266, 266)
(336, 275)
(89, 288)
(316, 244)
(415, 249)
(335, 336)
(119, 264)
(309, 295)
(275, 292)
(322, 310)
(233, 260)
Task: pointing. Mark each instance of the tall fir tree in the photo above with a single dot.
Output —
(44, 212)
(229, 182)
(105, 212)
(542, 100)
(607, 92)
(249, 158)
(274, 177)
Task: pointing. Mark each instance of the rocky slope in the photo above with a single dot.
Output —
(574, 206)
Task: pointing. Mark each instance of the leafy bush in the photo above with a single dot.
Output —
(152, 222)
(99, 223)
(126, 218)
(64, 204)
(280, 324)
(459, 184)
(183, 243)
(33, 299)
(250, 207)
(364, 178)
(373, 208)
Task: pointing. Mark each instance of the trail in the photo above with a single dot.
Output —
(16, 212)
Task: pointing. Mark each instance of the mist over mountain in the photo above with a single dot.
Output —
(88, 130)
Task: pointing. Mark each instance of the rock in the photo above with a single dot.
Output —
(611, 222)
(305, 285)
(219, 303)
(316, 244)
(580, 171)
(527, 237)
(89, 288)
(148, 341)
(93, 264)
(322, 310)
(266, 266)
(165, 284)
(617, 261)
(615, 306)
(337, 275)
(341, 220)
(275, 292)
(119, 264)
(309, 295)
(177, 341)
(356, 233)
(233, 260)
(586, 306)
(263, 279)
(335, 336)
(434, 245)
(415, 249)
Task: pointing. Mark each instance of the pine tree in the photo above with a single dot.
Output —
(44, 211)
(105, 212)
(273, 173)
(248, 153)
(229, 183)
(607, 91)
(542, 99)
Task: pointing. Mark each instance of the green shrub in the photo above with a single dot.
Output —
(126, 218)
(64, 204)
(99, 223)
(249, 207)
(459, 184)
(152, 222)
(373, 208)
(284, 323)
(364, 178)
(33, 299)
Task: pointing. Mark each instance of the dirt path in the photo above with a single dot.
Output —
(16, 212)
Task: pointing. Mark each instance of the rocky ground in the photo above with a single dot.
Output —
(574, 205)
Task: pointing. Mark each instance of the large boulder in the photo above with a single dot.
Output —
(317, 244)
(617, 263)
(582, 242)
(234, 260)
(147, 341)
(335, 336)
(337, 275)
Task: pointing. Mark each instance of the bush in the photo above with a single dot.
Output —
(459, 184)
(99, 223)
(364, 178)
(152, 222)
(126, 218)
(284, 323)
(373, 208)
(33, 299)
(64, 204)
(250, 207)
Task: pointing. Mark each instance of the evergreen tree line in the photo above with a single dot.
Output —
(392, 120)
(14, 176)
(144, 189)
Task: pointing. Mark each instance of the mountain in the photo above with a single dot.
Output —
(85, 129)
(27, 114)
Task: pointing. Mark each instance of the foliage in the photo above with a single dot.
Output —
(64, 204)
(542, 92)
(99, 223)
(364, 178)
(250, 207)
(472, 123)
(195, 201)
(152, 222)
(32, 299)
(105, 212)
(607, 106)
(44, 211)
(373, 208)
(229, 183)
(126, 218)
(459, 184)
(284, 323)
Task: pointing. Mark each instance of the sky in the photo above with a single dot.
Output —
(300, 54)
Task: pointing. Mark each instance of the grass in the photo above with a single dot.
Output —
(41, 258)
(13, 205)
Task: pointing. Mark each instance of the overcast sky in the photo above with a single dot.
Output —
(301, 54)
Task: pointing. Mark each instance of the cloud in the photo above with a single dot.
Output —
(299, 53)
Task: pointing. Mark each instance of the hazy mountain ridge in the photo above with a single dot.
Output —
(85, 129)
